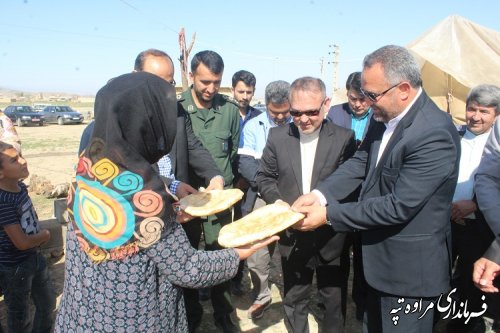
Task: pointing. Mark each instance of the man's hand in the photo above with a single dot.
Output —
(216, 183)
(308, 199)
(484, 273)
(247, 250)
(461, 209)
(185, 189)
(180, 215)
(315, 217)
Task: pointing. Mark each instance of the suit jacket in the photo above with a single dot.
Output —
(341, 115)
(188, 151)
(403, 212)
(493, 252)
(280, 177)
(487, 181)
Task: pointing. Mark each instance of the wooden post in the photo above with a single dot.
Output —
(184, 57)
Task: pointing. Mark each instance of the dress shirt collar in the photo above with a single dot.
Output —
(395, 121)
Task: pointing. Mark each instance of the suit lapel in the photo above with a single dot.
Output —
(325, 143)
(293, 146)
(375, 171)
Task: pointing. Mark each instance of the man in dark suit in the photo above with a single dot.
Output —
(355, 113)
(295, 158)
(408, 167)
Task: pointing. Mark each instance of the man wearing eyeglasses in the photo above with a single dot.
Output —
(408, 167)
(296, 157)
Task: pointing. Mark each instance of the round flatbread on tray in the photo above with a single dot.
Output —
(210, 202)
(259, 224)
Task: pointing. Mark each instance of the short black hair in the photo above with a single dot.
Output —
(246, 77)
(3, 147)
(354, 82)
(211, 59)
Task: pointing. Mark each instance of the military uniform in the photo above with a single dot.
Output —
(218, 128)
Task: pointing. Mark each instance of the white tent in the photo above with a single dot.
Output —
(457, 55)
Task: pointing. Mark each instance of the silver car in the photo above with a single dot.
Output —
(61, 115)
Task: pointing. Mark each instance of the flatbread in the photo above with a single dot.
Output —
(259, 224)
(210, 202)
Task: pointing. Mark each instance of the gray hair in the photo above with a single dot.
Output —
(398, 64)
(277, 92)
(486, 95)
(308, 83)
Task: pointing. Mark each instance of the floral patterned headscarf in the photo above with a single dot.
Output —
(118, 204)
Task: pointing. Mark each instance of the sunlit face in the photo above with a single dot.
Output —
(160, 66)
(243, 94)
(303, 105)
(358, 103)
(479, 118)
(279, 113)
(14, 166)
(387, 106)
(205, 83)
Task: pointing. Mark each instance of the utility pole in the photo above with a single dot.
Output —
(321, 62)
(184, 57)
(335, 62)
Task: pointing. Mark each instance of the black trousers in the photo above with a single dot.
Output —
(382, 314)
(298, 271)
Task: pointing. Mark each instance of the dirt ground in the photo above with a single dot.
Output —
(51, 151)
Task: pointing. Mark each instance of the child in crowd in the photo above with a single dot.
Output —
(23, 269)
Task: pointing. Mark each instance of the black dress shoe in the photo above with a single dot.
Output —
(226, 324)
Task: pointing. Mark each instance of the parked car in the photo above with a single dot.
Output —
(61, 115)
(23, 115)
(260, 107)
(39, 107)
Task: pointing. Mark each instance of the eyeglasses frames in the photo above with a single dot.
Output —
(374, 97)
(310, 113)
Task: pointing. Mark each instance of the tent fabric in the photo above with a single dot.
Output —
(457, 55)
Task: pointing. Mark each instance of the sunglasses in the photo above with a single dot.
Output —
(374, 97)
(310, 113)
(172, 82)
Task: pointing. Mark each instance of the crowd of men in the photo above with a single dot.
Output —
(385, 178)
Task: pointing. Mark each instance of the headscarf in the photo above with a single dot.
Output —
(118, 204)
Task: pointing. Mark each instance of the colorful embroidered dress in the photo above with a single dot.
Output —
(126, 258)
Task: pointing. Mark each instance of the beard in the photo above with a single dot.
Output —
(200, 96)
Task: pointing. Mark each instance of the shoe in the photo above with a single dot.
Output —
(204, 294)
(237, 288)
(226, 324)
(256, 311)
(193, 324)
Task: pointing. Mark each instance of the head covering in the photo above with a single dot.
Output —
(118, 204)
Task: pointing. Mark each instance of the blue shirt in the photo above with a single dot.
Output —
(358, 125)
(255, 135)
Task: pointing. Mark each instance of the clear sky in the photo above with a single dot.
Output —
(75, 46)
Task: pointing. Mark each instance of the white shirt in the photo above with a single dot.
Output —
(308, 144)
(392, 124)
(390, 127)
(472, 147)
